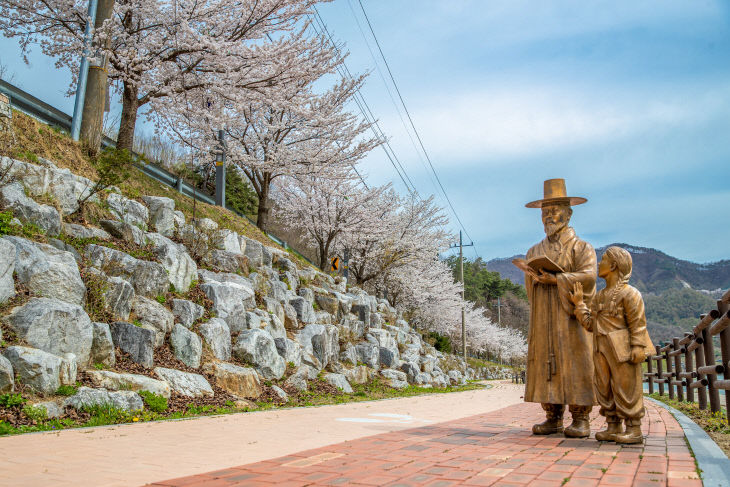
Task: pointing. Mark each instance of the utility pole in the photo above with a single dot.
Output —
(220, 171)
(499, 312)
(94, 106)
(463, 286)
(83, 73)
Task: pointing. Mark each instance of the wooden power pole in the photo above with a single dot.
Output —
(463, 286)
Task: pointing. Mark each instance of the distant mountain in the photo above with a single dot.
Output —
(654, 271)
(675, 291)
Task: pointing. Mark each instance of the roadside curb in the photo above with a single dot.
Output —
(713, 463)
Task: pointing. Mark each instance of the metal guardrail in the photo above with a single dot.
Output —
(40, 110)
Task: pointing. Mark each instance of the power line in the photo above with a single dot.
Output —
(405, 108)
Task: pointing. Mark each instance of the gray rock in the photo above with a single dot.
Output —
(47, 271)
(217, 336)
(358, 375)
(138, 342)
(152, 313)
(253, 250)
(54, 326)
(428, 363)
(117, 294)
(7, 377)
(386, 357)
(368, 354)
(275, 327)
(128, 382)
(258, 348)
(307, 371)
(289, 350)
(39, 370)
(230, 301)
(239, 381)
(311, 361)
(186, 345)
(339, 381)
(186, 312)
(148, 278)
(456, 377)
(69, 369)
(58, 244)
(129, 211)
(52, 409)
(206, 224)
(348, 355)
(306, 293)
(304, 309)
(228, 241)
(280, 393)
(267, 257)
(329, 304)
(286, 265)
(396, 378)
(225, 261)
(179, 218)
(275, 308)
(181, 268)
(102, 346)
(290, 317)
(125, 231)
(162, 214)
(278, 290)
(87, 397)
(26, 210)
(297, 381)
(411, 369)
(422, 378)
(74, 230)
(320, 340)
(208, 276)
(362, 311)
(7, 268)
(185, 383)
(159, 336)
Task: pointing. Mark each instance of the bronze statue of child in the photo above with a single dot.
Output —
(621, 342)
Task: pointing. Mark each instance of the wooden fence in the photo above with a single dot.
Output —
(686, 367)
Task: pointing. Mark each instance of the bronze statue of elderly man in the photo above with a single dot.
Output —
(559, 349)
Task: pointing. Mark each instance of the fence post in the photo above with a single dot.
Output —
(678, 369)
(669, 374)
(659, 370)
(688, 367)
(722, 307)
(700, 362)
(650, 377)
(710, 360)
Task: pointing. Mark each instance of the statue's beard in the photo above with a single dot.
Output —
(552, 229)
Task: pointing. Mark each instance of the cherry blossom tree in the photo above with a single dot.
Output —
(157, 49)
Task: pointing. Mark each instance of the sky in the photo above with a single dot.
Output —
(628, 101)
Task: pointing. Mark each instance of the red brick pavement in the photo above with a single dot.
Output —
(489, 449)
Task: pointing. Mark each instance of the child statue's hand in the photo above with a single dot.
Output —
(637, 354)
(576, 297)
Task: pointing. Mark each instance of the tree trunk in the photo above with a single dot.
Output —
(130, 104)
(262, 217)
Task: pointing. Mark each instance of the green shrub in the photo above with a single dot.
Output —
(154, 402)
(11, 400)
(5, 217)
(36, 413)
(66, 391)
(113, 166)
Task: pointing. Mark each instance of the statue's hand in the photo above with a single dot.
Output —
(576, 297)
(547, 278)
(637, 354)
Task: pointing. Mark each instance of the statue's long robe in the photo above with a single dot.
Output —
(559, 350)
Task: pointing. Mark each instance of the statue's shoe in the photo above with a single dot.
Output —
(579, 428)
(609, 434)
(632, 436)
(548, 427)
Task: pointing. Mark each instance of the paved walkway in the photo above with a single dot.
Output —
(136, 454)
(495, 448)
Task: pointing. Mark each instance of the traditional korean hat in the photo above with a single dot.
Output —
(554, 191)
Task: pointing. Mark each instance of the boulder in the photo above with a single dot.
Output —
(307, 371)
(148, 278)
(303, 308)
(52, 409)
(280, 393)
(162, 214)
(253, 250)
(69, 369)
(306, 293)
(239, 381)
(309, 360)
(387, 358)
(102, 346)
(74, 230)
(124, 231)
(411, 369)
(358, 375)
(275, 327)
(290, 317)
(7, 377)
(348, 354)
(275, 308)
(150, 312)
(181, 268)
(206, 224)
(138, 342)
(258, 348)
(396, 378)
(186, 312)
(26, 210)
(368, 354)
(59, 245)
(87, 397)
(326, 303)
(277, 290)
(362, 311)
(206, 276)
(185, 383)
(36, 369)
(217, 336)
(289, 350)
(129, 382)
(54, 326)
(186, 345)
(422, 378)
(228, 241)
(117, 294)
(47, 271)
(224, 261)
(297, 381)
(428, 363)
(7, 268)
(129, 211)
(339, 381)
(230, 301)
(320, 340)
(456, 377)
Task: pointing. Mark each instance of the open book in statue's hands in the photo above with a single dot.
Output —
(537, 264)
